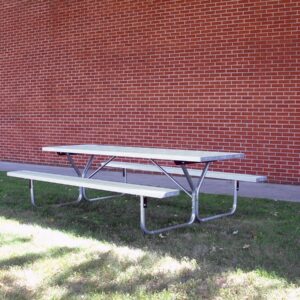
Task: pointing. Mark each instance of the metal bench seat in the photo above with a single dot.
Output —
(109, 186)
(192, 172)
(142, 191)
(234, 177)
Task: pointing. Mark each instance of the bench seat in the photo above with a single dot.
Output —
(121, 188)
(234, 177)
(192, 172)
(118, 187)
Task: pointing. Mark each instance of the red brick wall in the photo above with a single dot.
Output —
(215, 74)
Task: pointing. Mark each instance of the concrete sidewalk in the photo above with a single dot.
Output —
(211, 186)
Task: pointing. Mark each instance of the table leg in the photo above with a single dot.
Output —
(33, 200)
(229, 213)
(196, 195)
(143, 207)
(193, 196)
(84, 174)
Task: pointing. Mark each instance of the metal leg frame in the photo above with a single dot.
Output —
(193, 196)
(196, 195)
(82, 192)
(80, 195)
(33, 202)
(83, 174)
(229, 213)
(143, 206)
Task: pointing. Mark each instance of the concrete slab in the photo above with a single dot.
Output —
(255, 190)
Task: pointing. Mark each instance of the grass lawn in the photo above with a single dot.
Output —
(97, 250)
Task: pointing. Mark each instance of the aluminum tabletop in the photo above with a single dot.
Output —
(147, 153)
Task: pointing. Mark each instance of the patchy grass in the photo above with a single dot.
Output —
(97, 251)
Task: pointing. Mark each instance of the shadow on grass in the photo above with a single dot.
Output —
(12, 286)
(114, 278)
(14, 240)
(263, 235)
(29, 258)
(13, 290)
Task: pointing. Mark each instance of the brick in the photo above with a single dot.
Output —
(213, 75)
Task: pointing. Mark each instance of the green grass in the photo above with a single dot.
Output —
(97, 250)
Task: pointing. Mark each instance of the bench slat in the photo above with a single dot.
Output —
(192, 172)
(118, 187)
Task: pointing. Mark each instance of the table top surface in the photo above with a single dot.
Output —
(147, 153)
